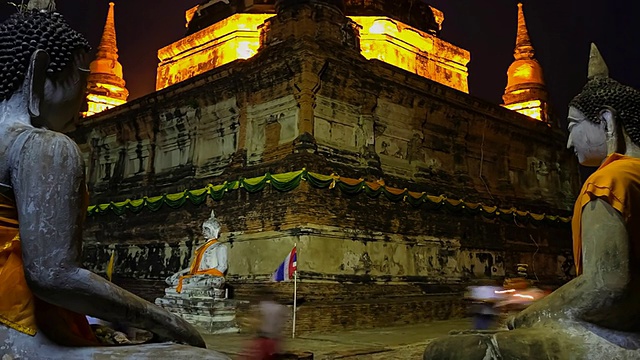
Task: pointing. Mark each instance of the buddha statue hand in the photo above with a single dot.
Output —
(173, 279)
(553, 307)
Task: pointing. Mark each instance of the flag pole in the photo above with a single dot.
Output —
(295, 295)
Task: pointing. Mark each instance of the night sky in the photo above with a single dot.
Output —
(561, 31)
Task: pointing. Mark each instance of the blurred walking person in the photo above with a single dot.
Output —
(267, 345)
(483, 298)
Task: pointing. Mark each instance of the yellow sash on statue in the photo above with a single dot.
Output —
(195, 265)
(19, 309)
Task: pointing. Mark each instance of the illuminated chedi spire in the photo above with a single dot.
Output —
(526, 91)
(105, 85)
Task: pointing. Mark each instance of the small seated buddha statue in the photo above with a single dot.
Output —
(596, 315)
(45, 294)
(205, 276)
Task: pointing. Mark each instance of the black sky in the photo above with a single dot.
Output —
(561, 31)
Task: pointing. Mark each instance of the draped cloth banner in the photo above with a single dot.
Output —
(291, 180)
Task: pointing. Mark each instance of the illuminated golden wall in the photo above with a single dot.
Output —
(238, 37)
(99, 103)
(532, 109)
(413, 50)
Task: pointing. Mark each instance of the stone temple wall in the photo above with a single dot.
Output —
(357, 254)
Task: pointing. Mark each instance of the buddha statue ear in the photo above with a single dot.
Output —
(609, 118)
(614, 130)
(35, 80)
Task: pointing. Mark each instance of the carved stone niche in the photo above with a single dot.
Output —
(137, 158)
(173, 142)
(106, 153)
(379, 128)
(216, 137)
(282, 112)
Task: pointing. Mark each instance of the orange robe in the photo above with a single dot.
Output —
(617, 181)
(19, 308)
(195, 265)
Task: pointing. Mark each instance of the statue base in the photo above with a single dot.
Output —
(558, 340)
(210, 314)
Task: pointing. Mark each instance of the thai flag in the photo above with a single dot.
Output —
(288, 267)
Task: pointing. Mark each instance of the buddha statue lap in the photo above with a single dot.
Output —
(205, 276)
(44, 292)
(596, 315)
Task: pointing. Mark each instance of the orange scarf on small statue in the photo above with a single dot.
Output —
(195, 265)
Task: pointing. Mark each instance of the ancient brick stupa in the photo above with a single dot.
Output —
(344, 127)
(105, 85)
(526, 91)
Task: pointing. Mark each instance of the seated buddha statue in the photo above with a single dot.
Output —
(596, 315)
(45, 294)
(205, 276)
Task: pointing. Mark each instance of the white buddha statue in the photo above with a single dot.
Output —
(205, 276)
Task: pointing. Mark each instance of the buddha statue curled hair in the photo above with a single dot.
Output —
(27, 31)
(601, 91)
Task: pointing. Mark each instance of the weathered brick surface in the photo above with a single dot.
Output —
(146, 289)
(328, 307)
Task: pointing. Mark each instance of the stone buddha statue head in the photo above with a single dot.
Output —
(211, 227)
(605, 117)
(43, 62)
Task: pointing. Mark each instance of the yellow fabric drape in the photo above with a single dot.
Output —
(193, 270)
(16, 301)
(19, 309)
(110, 265)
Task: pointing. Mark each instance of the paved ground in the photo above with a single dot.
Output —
(400, 342)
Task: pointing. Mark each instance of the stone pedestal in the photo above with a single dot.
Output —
(554, 340)
(209, 314)
(189, 293)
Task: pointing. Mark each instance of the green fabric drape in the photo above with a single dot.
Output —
(289, 181)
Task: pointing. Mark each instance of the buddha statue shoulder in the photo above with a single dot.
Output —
(205, 275)
(45, 294)
(596, 315)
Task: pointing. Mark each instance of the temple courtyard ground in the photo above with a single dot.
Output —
(398, 342)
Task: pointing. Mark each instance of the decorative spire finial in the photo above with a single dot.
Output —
(597, 66)
(524, 49)
(108, 48)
